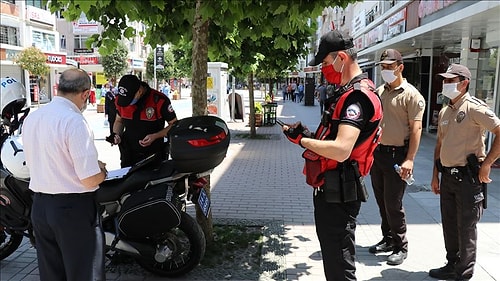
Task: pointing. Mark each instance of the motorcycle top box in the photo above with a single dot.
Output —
(198, 143)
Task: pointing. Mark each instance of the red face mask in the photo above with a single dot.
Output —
(331, 75)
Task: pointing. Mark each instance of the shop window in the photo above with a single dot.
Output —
(80, 41)
(8, 35)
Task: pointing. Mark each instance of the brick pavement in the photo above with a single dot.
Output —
(262, 179)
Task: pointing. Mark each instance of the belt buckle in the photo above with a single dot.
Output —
(454, 171)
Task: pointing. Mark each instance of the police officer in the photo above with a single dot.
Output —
(139, 127)
(402, 124)
(346, 136)
(461, 131)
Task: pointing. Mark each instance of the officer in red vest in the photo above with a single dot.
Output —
(340, 153)
(139, 128)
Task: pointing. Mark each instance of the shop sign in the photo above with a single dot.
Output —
(374, 36)
(40, 15)
(137, 63)
(71, 62)
(56, 59)
(396, 24)
(358, 43)
(10, 54)
(83, 51)
(359, 22)
(87, 60)
(429, 7)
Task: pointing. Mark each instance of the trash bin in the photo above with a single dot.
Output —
(270, 113)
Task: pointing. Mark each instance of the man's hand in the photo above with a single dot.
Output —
(295, 133)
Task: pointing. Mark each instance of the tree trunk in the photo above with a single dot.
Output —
(253, 132)
(199, 98)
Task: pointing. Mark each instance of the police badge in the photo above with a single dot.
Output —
(460, 116)
(149, 112)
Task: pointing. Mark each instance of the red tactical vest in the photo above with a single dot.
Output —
(366, 143)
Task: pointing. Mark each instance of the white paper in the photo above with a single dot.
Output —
(117, 174)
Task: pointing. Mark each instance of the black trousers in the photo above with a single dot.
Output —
(69, 237)
(461, 209)
(335, 227)
(389, 189)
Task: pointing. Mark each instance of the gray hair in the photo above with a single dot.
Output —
(73, 81)
(351, 52)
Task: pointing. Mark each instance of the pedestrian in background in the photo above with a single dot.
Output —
(321, 96)
(139, 127)
(462, 127)
(345, 138)
(110, 108)
(300, 89)
(64, 177)
(402, 124)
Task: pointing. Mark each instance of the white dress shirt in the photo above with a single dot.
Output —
(59, 148)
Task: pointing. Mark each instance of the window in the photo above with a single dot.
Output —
(80, 41)
(36, 3)
(63, 42)
(8, 35)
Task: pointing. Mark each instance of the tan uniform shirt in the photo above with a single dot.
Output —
(462, 130)
(400, 105)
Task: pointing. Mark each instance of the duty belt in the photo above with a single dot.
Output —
(459, 172)
(391, 148)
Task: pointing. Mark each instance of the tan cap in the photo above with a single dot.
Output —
(455, 70)
(390, 56)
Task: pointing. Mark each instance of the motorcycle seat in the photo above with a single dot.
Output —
(112, 190)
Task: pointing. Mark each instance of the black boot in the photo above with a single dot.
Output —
(443, 273)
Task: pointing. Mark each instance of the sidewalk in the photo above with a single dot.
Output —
(261, 179)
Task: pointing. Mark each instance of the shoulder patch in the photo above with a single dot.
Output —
(489, 113)
(353, 112)
(421, 104)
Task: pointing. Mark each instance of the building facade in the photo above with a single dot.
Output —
(27, 23)
(430, 35)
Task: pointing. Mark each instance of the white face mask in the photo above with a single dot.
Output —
(388, 75)
(450, 90)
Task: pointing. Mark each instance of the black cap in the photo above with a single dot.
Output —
(455, 70)
(390, 56)
(330, 42)
(127, 87)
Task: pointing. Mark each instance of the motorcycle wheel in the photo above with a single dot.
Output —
(187, 242)
(9, 243)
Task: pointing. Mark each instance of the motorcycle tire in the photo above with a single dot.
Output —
(9, 243)
(187, 241)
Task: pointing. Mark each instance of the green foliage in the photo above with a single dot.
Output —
(33, 60)
(258, 108)
(177, 62)
(115, 64)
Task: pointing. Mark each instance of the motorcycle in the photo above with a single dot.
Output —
(143, 207)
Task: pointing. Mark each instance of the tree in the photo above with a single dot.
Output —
(228, 22)
(176, 60)
(34, 61)
(115, 64)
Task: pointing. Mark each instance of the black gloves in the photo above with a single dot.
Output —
(296, 134)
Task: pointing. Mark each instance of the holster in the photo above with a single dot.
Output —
(344, 184)
(473, 166)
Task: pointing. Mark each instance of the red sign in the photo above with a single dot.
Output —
(87, 60)
(56, 59)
